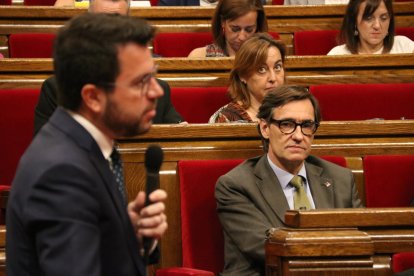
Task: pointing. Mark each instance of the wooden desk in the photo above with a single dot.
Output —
(283, 19)
(302, 70)
(352, 241)
(350, 139)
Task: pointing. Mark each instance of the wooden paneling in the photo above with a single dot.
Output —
(302, 70)
(339, 241)
(283, 19)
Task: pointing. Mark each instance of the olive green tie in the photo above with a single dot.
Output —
(300, 199)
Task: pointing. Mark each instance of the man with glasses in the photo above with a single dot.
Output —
(166, 113)
(253, 197)
(68, 212)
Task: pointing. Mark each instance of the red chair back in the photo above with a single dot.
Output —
(339, 102)
(318, 42)
(389, 180)
(39, 2)
(16, 124)
(5, 2)
(34, 45)
(406, 31)
(202, 237)
(179, 44)
(197, 104)
(402, 261)
(338, 160)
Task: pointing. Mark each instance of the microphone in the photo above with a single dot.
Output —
(153, 160)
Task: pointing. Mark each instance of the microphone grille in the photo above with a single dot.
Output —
(153, 158)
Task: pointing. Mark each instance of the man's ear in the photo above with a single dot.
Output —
(264, 128)
(93, 98)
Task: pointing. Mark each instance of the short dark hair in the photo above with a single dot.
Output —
(86, 52)
(347, 33)
(280, 96)
(251, 55)
(232, 9)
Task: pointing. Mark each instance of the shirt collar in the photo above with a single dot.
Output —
(283, 176)
(104, 142)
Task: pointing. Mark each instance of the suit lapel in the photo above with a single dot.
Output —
(270, 188)
(321, 187)
(80, 136)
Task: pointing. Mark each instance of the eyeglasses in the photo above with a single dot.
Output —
(142, 85)
(307, 127)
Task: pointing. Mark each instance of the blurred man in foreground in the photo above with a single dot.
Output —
(68, 212)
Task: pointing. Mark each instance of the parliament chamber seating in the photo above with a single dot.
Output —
(318, 42)
(402, 261)
(342, 102)
(406, 31)
(39, 2)
(197, 104)
(202, 237)
(31, 45)
(389, 181)
(181, 44)
(16, 124)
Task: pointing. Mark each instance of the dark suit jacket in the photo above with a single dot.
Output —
(166, 113)
(65, 215)
(250, 201)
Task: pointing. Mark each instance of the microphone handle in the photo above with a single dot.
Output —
(153, 180)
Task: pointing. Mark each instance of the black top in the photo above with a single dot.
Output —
(166, 113)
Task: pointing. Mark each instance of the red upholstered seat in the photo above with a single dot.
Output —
(16, 124)
(318, 42)
(39, 2)
(406, 31)
(365, 101)
(181, 44)
(197, 104)
(202, 237)
(278, 2)
(338, 160)
(402, 261)
(389, 180)
(33, 45)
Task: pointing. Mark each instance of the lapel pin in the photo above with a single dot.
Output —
(327, 184)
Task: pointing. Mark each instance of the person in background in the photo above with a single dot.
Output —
(253, 197)
(368, 27)
(234, 21)
(203, 3)
(314, 2)
(68, 213)
(166, 113)
(258, 68)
